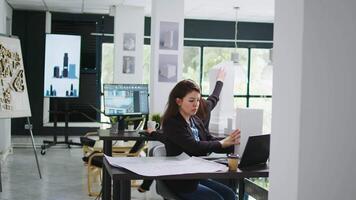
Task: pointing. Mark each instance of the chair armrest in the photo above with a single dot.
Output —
(94, 155)
(91, 134)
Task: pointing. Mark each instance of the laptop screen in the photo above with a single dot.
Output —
(256, 151)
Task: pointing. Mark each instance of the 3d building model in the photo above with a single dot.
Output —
(168, 71)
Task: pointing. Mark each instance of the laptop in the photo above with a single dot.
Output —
(256, 152)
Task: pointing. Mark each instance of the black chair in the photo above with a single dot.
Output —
(161, 187)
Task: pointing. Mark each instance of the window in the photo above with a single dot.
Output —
(107, 70)
(107, 63)
(191, 63)
(261, 72)
(146, 64)
(266, 105)
(216, 55)
(261, 84)
(240, 102)
(253, 81)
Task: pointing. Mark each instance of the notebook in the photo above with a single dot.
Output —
(256, 152)
(250, 122)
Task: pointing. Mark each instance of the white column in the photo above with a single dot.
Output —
(128, 44)
(46, 100)
(167, 32)
(313, 129)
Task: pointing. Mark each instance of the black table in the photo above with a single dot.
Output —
(122, 178)
(108, 137)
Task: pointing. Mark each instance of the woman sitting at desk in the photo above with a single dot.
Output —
(204, 112)
(186, 133)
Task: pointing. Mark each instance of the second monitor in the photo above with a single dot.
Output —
(125, 99)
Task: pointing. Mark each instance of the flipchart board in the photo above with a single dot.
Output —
(13, 90)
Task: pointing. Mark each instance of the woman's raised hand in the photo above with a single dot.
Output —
(221, 74)
(232, 139)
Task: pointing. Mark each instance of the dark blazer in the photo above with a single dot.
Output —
(180, 139)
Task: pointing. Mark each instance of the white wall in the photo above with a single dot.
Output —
(5, 14)
(167, 11)
(128, 19)
(313, 129)
(46, 100)
(5, 124)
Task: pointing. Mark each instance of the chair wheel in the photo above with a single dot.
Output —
(43, 152)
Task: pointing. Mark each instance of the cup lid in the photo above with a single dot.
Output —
(233, 156)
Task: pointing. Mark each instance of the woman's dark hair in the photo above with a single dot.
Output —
(180, 90)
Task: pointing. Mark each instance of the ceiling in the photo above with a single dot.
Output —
(250, 10)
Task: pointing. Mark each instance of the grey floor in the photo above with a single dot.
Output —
(63, 176)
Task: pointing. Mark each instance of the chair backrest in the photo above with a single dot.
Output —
(161, 188)
(158, 150)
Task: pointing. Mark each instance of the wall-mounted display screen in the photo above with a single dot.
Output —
(125, 99)
(62, 66)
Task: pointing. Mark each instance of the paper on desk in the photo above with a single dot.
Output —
(162, 166)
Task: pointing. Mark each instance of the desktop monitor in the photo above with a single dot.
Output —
(125, 99)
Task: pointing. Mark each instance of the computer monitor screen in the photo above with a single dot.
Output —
(62, 66)
(125, 99)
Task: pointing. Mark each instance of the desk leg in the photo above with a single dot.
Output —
(106, 182)
(116, 190)
(241, 189)
(125, 189)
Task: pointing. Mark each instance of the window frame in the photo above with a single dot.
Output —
(249, 45)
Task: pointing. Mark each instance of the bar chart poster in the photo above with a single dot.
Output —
(62, 66)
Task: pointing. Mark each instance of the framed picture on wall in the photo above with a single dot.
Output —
(168, 36)
(129, 42)
(167, 68)
(128, 65)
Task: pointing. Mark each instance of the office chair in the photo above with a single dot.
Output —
(95, 162)
(161, 187)
(88, 142)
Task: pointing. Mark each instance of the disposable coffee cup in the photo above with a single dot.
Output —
(233, 162)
